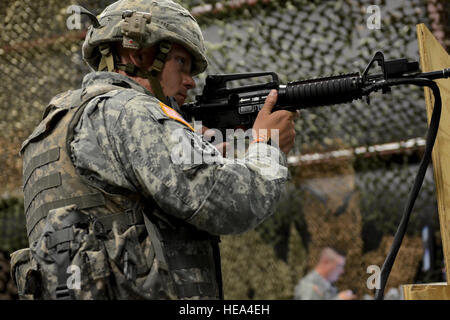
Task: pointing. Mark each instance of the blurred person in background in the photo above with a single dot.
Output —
(318, 284)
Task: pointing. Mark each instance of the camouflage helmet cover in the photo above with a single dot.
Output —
(169, 21)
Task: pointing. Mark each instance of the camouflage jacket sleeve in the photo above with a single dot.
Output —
(222, 196)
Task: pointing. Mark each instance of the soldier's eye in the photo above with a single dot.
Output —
(181, 61)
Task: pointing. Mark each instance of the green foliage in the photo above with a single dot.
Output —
(12, 225)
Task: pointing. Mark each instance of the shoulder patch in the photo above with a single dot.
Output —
(171, 113)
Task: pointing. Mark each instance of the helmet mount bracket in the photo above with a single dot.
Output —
(133, 28)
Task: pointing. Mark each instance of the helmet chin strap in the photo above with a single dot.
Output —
(133, 70)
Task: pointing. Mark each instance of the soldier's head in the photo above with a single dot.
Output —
(158, 43)
(331, 264)
(175, 77)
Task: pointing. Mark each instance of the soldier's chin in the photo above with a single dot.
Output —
(180, 99)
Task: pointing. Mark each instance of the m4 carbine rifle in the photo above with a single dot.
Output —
(220, 107)
(224, 108)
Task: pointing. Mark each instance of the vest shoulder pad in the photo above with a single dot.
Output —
(56, 108)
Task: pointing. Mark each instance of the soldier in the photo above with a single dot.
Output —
(318, 284)
(110, 214)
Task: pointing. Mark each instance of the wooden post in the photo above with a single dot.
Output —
(433, 57)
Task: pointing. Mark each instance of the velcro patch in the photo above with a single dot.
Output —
(171, 113)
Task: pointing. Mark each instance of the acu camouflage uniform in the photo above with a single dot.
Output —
(102, 193)
(314, 287)
(110, 214)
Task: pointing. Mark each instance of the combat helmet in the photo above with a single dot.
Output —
(140, 24)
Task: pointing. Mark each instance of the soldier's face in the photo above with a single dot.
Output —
(337, 268)
(176, 77)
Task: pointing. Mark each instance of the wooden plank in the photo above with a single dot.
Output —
(430, 291)
(433, 57)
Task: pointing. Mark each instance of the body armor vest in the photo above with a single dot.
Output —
(159, 249)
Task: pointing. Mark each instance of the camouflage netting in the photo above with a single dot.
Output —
(354, 204)
(8, 290)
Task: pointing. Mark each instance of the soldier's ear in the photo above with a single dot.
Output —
(142, 57)
(126, 55)
(136, 57)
